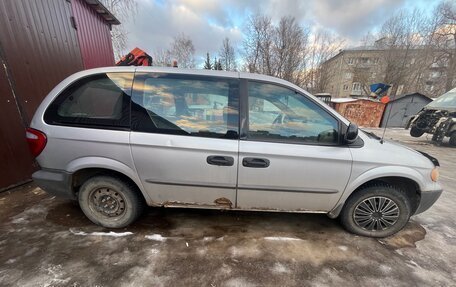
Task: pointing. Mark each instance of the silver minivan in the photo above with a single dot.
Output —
(117, 139)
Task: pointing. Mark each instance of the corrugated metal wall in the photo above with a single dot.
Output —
(94, 36)
(39, 47)
(15, 160)
(399, 112)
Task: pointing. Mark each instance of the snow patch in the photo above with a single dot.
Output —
(201, 251)
(19, 220)
(385, 269)
(30, 214)
(156, 237)
(342, 247)
(56, 273)
(11, 261)
(110, 233)
(413, 263)
(280, 268)
(281, 238)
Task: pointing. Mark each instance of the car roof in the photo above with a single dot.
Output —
(198, 72)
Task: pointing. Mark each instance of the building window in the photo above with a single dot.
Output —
(375, 60)
(351, 61)
(345, 87)
(356, 87)
(364, 60)
(348, 75)
(435, 74)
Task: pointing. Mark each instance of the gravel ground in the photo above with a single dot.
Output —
(46, 241)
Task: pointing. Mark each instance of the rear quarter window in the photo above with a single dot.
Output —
(101, 100)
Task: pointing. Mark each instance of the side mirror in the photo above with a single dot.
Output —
(351, 134)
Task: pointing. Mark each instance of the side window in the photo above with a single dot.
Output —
(185, 105)
(98, 100)
(280, 114)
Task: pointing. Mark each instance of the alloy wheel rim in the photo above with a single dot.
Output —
(107, 202)
(376, 213)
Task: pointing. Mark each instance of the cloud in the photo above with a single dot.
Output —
(155, 26)
(208, 22)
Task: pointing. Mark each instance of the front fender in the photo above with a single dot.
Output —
(107, 163)
(375, 173)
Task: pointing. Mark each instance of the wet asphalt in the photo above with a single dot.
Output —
(46, 241)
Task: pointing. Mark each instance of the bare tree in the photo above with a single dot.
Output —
(289, 50)
(258, 45)
(227, 56)
(275, 50)
(124, 10)
(402, 40)
(443, 38)
(323, 46)
(183, 51)
(162, 58)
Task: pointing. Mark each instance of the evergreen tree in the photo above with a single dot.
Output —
(217, 64)
(214, 66)
(207, 63)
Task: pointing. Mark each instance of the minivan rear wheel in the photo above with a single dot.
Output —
(110, 202)
(378, 210)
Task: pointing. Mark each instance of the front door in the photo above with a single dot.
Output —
(184, 138)
(290, 157)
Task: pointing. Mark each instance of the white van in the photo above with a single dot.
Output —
(120, 138)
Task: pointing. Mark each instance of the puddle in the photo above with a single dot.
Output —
(407, 237)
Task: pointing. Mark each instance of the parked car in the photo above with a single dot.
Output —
(120, 138)
(437, 118)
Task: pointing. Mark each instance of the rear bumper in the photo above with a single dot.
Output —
(428, 198)
(54, 182)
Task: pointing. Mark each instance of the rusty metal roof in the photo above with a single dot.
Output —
(103, 11)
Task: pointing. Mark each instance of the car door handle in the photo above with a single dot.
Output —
(220, 160)
(255, 162)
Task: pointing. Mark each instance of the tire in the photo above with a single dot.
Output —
(453, 138)
(416, 132)
(355, 208)
(122, 205)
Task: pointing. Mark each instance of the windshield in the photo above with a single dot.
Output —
(445, 101)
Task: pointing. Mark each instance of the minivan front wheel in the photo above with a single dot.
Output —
(376, 211)
(110, 202)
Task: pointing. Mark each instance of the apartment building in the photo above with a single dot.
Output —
(353, 70)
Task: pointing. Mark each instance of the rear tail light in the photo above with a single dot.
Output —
(36, 140)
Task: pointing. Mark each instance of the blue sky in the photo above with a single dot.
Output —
(207, 22)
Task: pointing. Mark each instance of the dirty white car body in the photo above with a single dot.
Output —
(199, 149)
